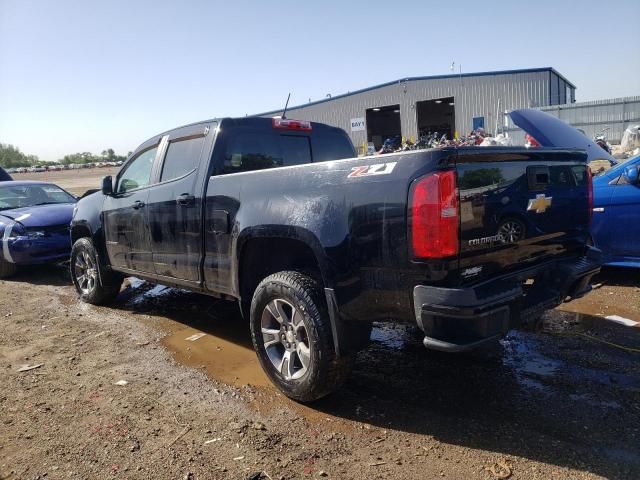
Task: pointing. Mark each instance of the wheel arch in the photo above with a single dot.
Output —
(287, 248)
(80, 230)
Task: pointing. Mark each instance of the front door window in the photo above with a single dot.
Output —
(137, 173)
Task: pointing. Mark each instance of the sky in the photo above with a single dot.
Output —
(82, 76)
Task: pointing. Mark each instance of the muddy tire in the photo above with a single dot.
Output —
(7, 269)
(292, 337)
(85, 276)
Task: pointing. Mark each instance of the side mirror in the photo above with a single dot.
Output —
(630, 174)
(107, 185)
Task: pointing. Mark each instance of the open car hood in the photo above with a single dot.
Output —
(550, 131)
(4, 176)
(40, 215)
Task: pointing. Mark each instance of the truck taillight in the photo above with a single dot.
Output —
(434, 216)
(287, 124)
(590, 193)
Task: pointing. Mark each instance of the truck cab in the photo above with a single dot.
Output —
(152, 211)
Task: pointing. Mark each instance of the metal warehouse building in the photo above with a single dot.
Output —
(415, 106)
(612, 115)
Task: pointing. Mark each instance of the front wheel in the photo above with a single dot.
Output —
(85, 274)
(291, 334)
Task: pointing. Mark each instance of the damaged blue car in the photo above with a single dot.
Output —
(34, 224)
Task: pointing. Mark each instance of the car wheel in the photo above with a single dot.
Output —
(85, 275)
(292, 336)
(7, 269)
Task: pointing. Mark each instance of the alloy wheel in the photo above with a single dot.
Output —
(285, 339)
(86, 272)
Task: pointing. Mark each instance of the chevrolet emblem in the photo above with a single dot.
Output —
(540, 203)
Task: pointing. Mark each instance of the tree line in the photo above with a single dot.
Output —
(12, 157)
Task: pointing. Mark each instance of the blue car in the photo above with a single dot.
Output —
(34, 224)
(615, 227)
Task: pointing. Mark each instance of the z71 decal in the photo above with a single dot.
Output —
(368, 170)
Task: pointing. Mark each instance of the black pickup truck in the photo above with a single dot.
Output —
(315, 244)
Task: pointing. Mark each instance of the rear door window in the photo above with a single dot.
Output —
(183, 156)
(256, 151)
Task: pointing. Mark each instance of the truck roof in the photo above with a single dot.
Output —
(267, 121)
(249, 122)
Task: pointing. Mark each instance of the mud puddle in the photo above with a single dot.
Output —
(219, 357)
(210, 334)
(202, 332)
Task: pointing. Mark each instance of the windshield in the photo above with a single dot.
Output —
(17, 196)
(599, 167)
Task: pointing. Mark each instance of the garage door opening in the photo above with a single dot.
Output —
(383, 123)
(437, 115)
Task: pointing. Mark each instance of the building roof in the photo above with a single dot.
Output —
(432, 77)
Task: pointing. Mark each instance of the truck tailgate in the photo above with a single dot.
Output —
(520, 207)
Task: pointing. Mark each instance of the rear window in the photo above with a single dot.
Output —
(332, 146)
(256, 151)
(182, 157)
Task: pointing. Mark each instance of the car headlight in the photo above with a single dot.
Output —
(17, 230)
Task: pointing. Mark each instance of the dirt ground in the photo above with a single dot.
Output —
(552, 404)
(164, 384)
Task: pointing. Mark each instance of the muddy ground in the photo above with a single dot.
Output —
(165, 385)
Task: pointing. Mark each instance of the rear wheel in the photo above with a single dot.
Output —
(291, 334)
(85, 275)
(7, 269)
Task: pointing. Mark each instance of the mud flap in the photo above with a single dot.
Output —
(337, 327)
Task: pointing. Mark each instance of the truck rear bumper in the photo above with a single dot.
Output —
(460, 319)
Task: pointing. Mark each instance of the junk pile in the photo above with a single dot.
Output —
(631, 140)
(477, 137)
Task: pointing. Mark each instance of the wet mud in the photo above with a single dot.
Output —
(559, 381)
(566, 393)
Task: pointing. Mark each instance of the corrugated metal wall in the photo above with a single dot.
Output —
(616, 114)
(474, 96)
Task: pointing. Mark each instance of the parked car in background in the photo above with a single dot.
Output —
(34, 224)
(615, 228)
(549, 131)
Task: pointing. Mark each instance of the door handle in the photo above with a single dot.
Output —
(138, 204)
(185, 199)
